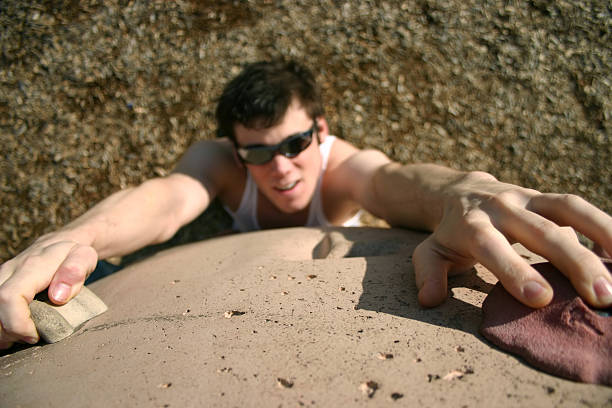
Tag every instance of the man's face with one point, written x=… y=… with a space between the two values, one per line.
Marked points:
x=288 y=183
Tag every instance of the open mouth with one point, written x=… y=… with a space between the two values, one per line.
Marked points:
x=286 y=187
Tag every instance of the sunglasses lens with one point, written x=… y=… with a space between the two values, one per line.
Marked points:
x=256 y=156
x=288 y=148
x=296 y=145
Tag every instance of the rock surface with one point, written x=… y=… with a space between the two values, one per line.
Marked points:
x=293 y=317
x=565 y=338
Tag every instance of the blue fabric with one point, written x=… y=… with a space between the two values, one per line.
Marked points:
x=103 y=269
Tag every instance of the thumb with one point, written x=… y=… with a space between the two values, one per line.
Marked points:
x=71 y=274
x=431 y=273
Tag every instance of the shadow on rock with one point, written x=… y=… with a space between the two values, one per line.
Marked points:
x=389 y=284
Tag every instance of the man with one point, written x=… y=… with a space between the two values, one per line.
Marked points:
x=277 y=165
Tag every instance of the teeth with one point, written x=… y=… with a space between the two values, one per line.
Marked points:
x=288 y=186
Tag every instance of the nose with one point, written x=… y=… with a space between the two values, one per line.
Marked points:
x=280 y=164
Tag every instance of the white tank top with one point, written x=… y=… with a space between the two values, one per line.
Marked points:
x=245 y=218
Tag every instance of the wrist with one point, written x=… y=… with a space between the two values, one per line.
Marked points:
x=67 y=234
x=463 y=188
x=440 y=188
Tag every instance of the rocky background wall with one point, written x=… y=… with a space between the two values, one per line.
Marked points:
x=96 y=96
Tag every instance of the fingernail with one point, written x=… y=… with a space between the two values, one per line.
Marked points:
x=533 y=291
x=603 y=290
x=61 y=292
x=31 y=340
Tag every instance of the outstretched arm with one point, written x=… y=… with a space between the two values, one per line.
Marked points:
x=125 y=221
x=475 y=218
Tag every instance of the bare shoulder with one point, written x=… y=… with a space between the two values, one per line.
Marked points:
x=349 y=168
x=346 y=157
x=216 y=150
x=340 y=151
x=212 y=163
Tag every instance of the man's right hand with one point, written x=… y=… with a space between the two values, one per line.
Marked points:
x=61 y=265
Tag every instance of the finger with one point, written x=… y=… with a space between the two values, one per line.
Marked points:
x=582 y=267
x=16 y=321
x=491 y=248
x=573 y=211
x=431 y=273
x=6 y=339
x=30 y=275
x=6 y=342
x=70 y=275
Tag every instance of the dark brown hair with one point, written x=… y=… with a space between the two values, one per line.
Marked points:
x=261 y=94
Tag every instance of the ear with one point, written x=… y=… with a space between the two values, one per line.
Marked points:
x=322 y=128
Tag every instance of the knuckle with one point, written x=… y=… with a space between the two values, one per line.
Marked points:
x=13 y=328
x=15 y=318
x=71 y=273
x=31 y=262
x=506 y=199
x=569 y=233
x=480 y=176
x=473 y=220
x=477 y=229
x=90 y=253
x=499 y=200
x=547 y=230
x=571 y=200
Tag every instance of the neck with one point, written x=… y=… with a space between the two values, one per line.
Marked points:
x=269 y=216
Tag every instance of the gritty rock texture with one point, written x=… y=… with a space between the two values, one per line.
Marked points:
x=273 y=318
x=566 y=338
x=100 y=95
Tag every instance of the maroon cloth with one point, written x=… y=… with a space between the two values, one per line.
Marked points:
x=566 y=338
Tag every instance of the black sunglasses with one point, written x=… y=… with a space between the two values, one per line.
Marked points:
x=290 y=147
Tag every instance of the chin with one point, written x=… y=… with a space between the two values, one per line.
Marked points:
x=295 y=204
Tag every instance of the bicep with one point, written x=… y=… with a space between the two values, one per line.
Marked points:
x=199 y=177
x=189 y=197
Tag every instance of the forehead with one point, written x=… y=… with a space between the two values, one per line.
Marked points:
x=295 y=120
